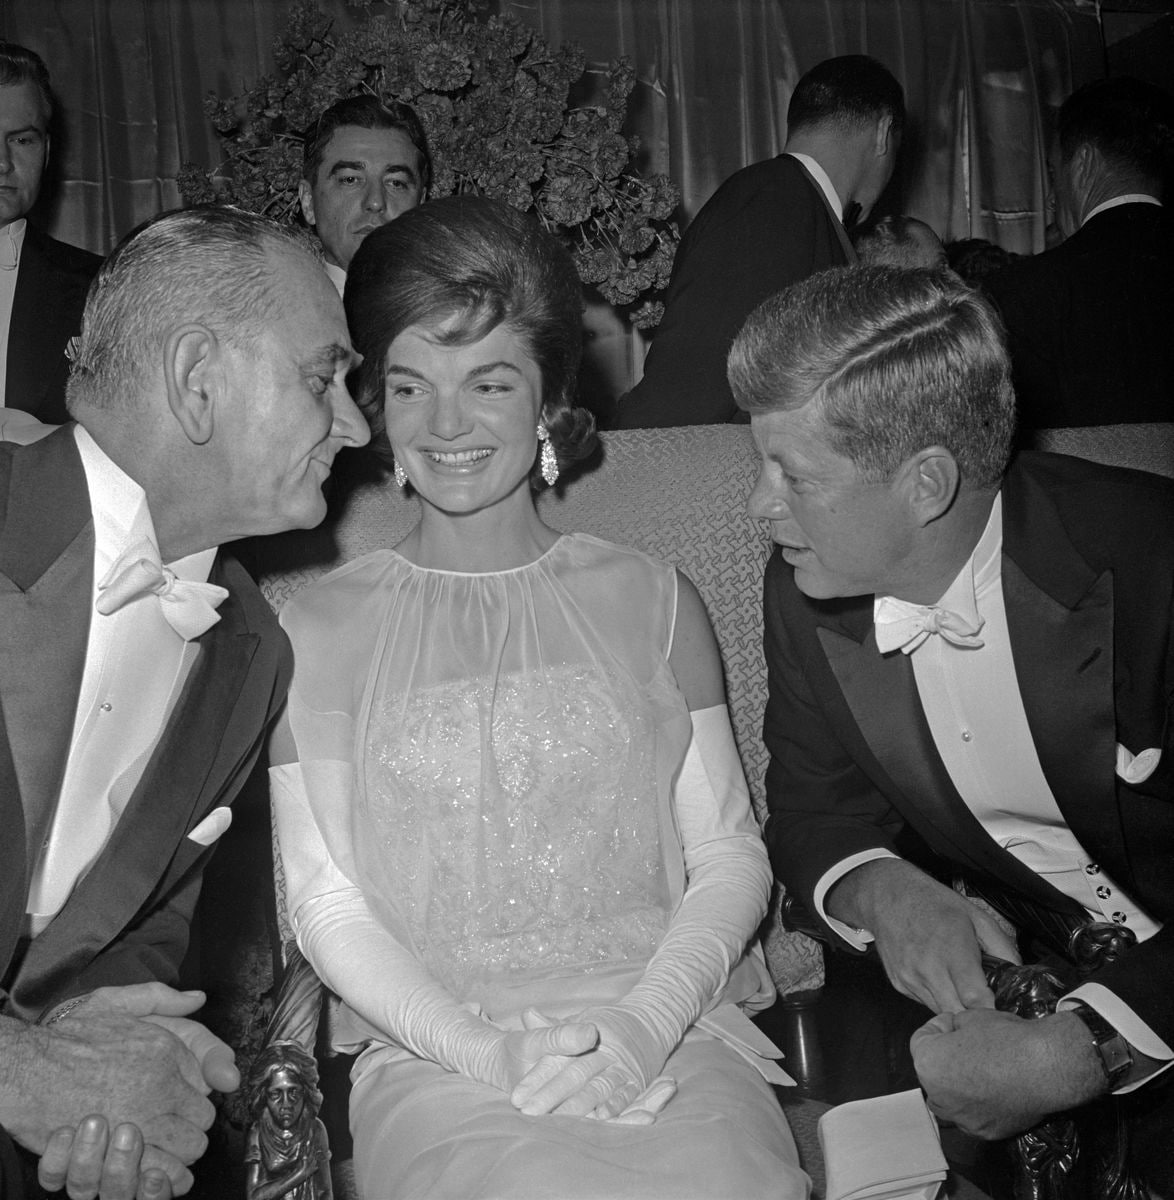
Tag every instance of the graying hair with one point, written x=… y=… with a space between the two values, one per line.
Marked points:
x=210 y=265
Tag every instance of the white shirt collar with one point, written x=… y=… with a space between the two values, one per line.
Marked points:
x=337 y=276
x=11 y=241
x=1117 y=201
x=982 y=569
x=821 y=177
x=121 y=514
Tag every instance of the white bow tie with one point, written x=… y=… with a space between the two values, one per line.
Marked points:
x=189 y=608
x=904 y=626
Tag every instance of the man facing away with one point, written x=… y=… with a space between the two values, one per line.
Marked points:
x=769 y=225
x=970 y=673
x=1089 y=322
x=139 y=668
x=364 y=164
x=43 y=282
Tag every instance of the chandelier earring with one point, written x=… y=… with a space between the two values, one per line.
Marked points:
x=401 y=476
x=549 y=462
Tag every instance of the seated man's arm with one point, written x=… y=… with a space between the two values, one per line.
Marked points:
x=824 y=810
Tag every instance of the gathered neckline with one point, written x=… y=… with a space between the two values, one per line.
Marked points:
x=562 y=537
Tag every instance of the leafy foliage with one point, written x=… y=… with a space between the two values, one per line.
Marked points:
x=494 y=98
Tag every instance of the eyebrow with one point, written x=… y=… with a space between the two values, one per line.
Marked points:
x=358 y=164
x=475 y=373
x=336 y=352
x=26 y=129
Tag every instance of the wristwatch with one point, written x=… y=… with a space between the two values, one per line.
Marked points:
x=1112 y=1049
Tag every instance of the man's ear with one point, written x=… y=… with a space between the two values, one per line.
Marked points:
x=306 y=200
x=193 y=375
x=884 y=135
x=931 y=482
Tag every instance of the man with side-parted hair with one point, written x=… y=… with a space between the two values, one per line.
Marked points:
x=43 y=281
x=364 y=164
x=139 y=669
x=769 y=225
x=970 y=674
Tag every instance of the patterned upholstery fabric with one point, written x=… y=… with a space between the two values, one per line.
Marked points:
x=678 y=494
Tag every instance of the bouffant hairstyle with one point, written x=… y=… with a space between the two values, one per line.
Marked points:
x=470 y=264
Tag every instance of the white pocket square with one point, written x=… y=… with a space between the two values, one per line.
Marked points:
x=211 y=827
x=1137 y=768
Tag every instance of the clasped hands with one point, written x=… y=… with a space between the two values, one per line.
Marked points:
x=602 y=1064
x=117 y=1094
x=992 y=1073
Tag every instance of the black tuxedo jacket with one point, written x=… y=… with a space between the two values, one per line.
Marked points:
x=768 y=226
x=51 y=286
x=1090 y=324
x=127 y=919
x=1088 y=583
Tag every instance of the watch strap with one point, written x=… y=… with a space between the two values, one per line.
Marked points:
x=1112 y=1049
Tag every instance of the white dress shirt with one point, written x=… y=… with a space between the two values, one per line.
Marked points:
x=135 y=668
x=337 y=276
x=971 y=699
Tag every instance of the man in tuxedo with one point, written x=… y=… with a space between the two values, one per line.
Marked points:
x=364 y=164
x=970 y=675
x=139 y=669
x=769 y=225
x=43 y=282
x=1088 y=322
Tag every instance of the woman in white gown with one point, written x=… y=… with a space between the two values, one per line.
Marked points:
x=515 y=831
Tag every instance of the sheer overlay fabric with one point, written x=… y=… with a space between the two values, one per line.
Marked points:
x=485 y=772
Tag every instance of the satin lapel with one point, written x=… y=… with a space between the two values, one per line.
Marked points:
x=1060 y=617
x=881 y=691
x=187 y=771
x=46 y=565
x=28 y=344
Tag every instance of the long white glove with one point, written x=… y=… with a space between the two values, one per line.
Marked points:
x=382 y=981
x=604 y=1061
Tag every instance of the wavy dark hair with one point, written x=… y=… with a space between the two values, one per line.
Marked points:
x=485 y=264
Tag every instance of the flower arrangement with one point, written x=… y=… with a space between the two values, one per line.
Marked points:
x=495 y=101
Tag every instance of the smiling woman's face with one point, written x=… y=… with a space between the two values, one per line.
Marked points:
x=462 y=419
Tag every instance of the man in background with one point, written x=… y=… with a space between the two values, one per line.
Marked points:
x=898 y=242
x=969 y=679
x=139 y=670
x=364 y=164
x=769 y=225
x=1089 y=322
x=43 y=282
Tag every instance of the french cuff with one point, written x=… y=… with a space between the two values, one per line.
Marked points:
x=1131 y=1027
x=858 y=939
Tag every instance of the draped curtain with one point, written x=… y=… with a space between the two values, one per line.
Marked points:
x=981 y=79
